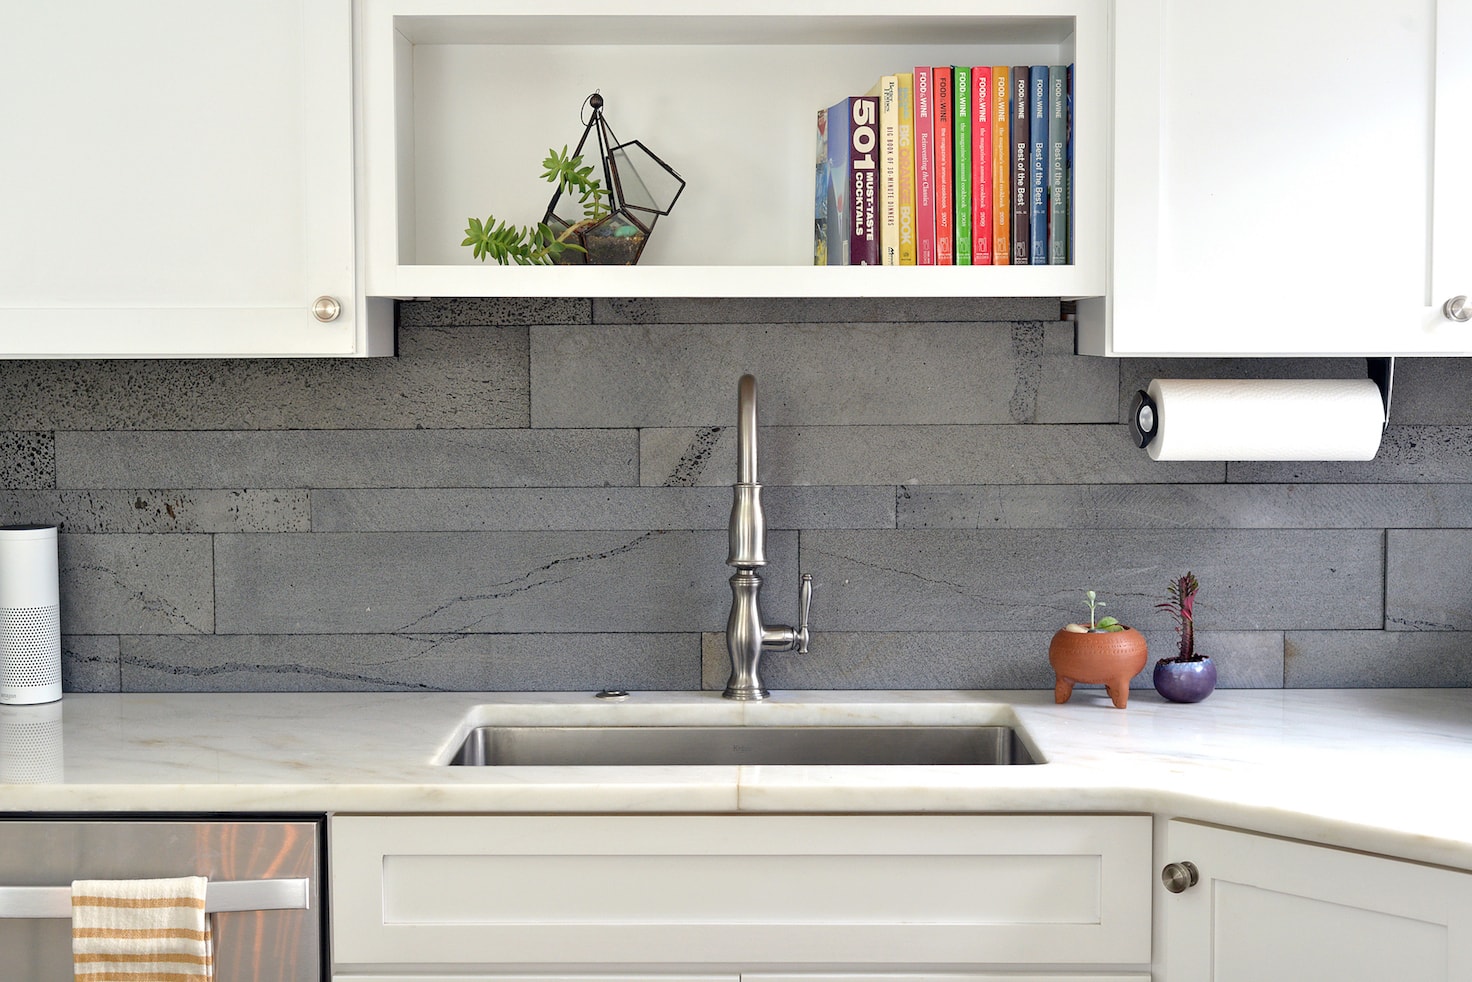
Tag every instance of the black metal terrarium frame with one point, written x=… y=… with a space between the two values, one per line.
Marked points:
x=619 y=237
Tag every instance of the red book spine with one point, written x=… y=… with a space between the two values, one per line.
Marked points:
x=924 y=167
x=981 y=167
x=945 y=245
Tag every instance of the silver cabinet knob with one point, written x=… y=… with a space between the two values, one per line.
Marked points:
x=1180 y=877
x=326 y=309
x=1457 y=309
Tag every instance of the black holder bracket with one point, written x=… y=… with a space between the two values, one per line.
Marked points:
x=1382 y=373
x=1144 y=419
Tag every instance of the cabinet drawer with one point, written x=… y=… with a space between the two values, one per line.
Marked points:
x=741 y=889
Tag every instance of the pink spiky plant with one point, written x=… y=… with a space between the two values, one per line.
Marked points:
x=1182 y=598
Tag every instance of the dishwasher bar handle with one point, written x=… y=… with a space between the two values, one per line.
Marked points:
x=220 y=895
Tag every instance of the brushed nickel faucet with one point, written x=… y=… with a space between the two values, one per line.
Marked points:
x=746 y=636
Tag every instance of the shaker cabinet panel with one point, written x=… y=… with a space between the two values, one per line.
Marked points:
x=1273 y=910
x=179 y=180
x=1288 y=179
x=638 y=891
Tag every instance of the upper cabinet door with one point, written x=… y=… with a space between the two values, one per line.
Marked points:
x=178 y=180
x=1288 y=178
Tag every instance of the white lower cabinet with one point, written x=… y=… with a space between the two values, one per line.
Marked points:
x=766 y=898
x=1273 y=910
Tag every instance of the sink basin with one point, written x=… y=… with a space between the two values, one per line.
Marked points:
x=543 y=746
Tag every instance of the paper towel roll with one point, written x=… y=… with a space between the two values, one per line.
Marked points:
x=1266 y=419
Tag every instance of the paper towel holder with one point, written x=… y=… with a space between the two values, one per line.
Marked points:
x=1145 y=415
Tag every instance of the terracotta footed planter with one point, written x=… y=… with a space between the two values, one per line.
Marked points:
x=1110 y=658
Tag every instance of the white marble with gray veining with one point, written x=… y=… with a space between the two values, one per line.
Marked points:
x=1385 y=770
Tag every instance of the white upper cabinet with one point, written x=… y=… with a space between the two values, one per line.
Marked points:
x=463 y=98
x=1288 y=178
x=178 y=181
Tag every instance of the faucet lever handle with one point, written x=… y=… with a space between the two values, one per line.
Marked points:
x=804 y=603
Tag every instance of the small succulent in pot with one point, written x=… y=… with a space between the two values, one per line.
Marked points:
x=1188 y=676
x=1095 y=626
x=1105 y=651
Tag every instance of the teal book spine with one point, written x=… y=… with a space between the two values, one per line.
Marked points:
x=820 y=193
x=1058 y=202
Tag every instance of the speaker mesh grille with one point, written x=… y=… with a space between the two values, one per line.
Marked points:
x=30 y=646
x=33 y=751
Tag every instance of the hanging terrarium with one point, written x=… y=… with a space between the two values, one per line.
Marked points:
x=611 y=220
x=601 y=212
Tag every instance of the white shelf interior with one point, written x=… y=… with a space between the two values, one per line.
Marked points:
x=460 y=109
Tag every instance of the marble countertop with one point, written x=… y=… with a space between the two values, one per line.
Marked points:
x=1384 y=770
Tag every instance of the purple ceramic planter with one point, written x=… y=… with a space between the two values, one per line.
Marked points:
x=1185 y=681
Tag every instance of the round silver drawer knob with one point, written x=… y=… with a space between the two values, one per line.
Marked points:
x=1180 y=877
x=326 y=309
x=1457 y=309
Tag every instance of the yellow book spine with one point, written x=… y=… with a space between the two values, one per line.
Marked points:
x=1001 y=167
x=906 y=82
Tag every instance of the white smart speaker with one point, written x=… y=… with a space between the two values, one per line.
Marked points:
x=30 y=615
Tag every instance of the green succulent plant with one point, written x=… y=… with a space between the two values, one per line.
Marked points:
x=1096 y=624
x=539 y=245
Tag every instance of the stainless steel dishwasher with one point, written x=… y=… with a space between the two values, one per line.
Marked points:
x=263 y=891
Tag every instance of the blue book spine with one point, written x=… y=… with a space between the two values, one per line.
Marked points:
x=1038 y=164
x=839 y=231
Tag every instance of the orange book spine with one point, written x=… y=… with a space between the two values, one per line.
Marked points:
x=1001 y=170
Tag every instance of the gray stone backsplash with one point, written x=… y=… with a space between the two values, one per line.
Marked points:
x=533 y=495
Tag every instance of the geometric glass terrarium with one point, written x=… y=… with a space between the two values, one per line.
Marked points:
x=614 y=223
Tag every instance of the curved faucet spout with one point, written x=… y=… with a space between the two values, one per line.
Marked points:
x=746 y=430
x=748 y=527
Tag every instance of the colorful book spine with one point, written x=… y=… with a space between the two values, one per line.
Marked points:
x=907 y=167
x=1037 y=111
x=863 y=183
x=1057 y=166
x=840 y=215
x=820 y=195
x=1001 y=184
x=1017 y=109
x=945 y=187
x=886 y=90
x=981 y=166
x=924 y=168
x=961 y=116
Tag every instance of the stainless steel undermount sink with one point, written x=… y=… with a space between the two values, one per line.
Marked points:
x=579 y=746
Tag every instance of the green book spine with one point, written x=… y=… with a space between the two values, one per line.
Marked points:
x=962 y=157
x=1058 y=203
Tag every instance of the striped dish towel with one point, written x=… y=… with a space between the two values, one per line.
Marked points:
x=141 y=931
